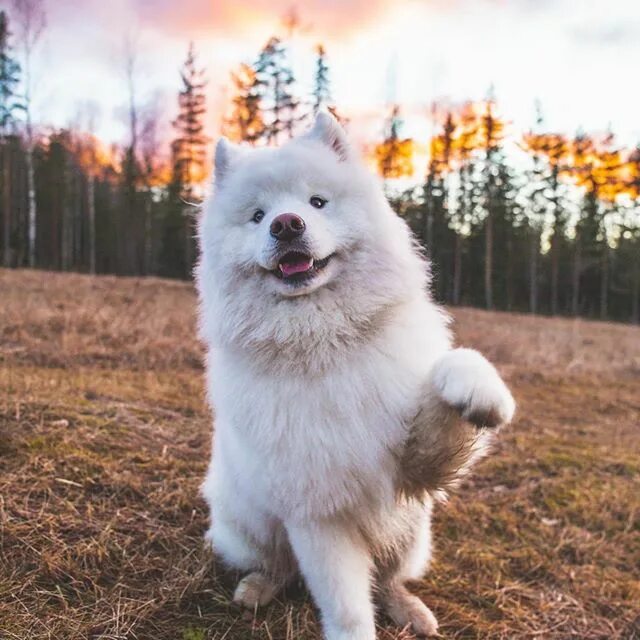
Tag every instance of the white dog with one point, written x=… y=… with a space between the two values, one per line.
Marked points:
x=341 y=408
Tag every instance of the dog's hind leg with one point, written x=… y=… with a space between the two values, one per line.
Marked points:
x=264 y=551
x=268 y=559
x=247 y=539
x=407 y=610
x=404 y=608
x=255 y=590
x=278 y=568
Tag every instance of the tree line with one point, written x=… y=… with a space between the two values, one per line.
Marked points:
x=541 y=222
x=552 y=229
x=70 y=202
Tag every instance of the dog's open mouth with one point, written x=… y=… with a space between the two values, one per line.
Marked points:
x=298 y=266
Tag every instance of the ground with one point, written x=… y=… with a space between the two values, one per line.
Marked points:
x=105 y=435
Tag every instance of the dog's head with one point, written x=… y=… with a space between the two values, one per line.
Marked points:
x=307 y=223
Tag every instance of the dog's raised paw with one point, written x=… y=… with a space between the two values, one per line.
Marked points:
x=469 y=383
x=254 y=590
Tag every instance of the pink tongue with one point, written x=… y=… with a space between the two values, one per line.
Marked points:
x=290 y=268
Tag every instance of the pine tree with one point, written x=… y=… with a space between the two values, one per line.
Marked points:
x=10 y=106
x=630 y=235
x=535 y=211
x=595 y=166
x=86 y=152
x=129 y=258
x=628 y=252
x=559 y=215
x=546 y=207
x=246 y=122
x=321 y=91
x=155 y=173
x=189 y=169
x=10 y=103
x=434 y=183
x=31 y=19
x=394 y=155
x=435 y=228
x=464 y=203
x=275 y=84
x=628 y=246
x=550 y=155
x=608 y=175
x=510 y=236
x=491 y=131
x=321 y=86
x=189 y=148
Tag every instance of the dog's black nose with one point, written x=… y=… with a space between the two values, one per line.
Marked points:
x=287 y=226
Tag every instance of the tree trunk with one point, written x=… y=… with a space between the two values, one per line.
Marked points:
x=67 y=220
x=635 y=289
x=78 y=257
x=457 y=270
x=91 y=197
x=31 y=198
x=429 y=230
x=428 y=214
x=555 y=269
x=129 y=220
x=189 y=257
x=604 y=281
x=32 y=21
x=509 y=274
x=577 y=267
x=6 y=205
x=488 y=261
x=533 y=273
x=274 y=132
x=555 y=243
x=148 y=231
x=129 y=262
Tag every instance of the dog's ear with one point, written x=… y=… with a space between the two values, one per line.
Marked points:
x=329 y=131
x=226 y=155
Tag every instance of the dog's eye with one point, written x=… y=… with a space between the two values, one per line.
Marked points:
x=258 y=215
x=317 y=201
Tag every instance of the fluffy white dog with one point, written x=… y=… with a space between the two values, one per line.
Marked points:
x=341 y=408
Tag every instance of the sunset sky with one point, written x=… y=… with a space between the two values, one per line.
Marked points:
x=579 y=57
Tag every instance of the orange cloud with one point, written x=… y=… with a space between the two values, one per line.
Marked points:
x=331 y=17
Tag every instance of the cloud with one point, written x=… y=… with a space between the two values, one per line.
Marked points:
x=413 y=51
x=325 y=16
x=614 y=33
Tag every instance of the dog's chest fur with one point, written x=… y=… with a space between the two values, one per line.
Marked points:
x=316 y=445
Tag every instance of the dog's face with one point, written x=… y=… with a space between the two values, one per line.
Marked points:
x=293 y=219
x=300 y=251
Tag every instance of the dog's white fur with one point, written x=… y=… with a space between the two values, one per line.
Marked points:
x=321 y=391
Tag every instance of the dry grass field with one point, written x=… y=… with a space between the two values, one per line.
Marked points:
x=104 y=438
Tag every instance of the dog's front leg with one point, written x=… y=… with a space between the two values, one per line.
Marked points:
x=337 y=568
x=464 y=401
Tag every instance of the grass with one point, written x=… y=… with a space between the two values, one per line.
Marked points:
x=105 y=435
